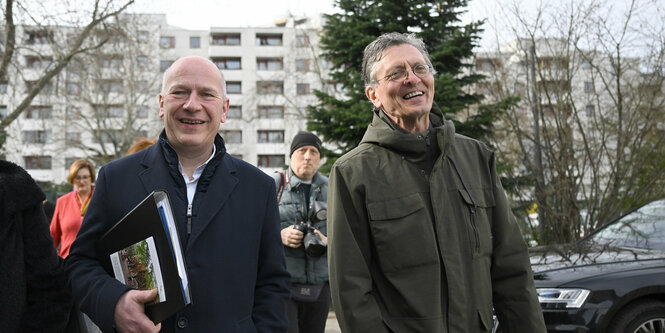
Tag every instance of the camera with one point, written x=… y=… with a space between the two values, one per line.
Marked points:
x=314 y=246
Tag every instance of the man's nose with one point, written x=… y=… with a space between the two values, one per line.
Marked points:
x=193 y=103
x=411 y=77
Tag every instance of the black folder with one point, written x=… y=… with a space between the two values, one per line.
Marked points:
x=152 y=217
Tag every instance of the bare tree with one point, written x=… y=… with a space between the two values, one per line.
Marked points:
x=584 y=83
x=43 y=45
x=116 y=88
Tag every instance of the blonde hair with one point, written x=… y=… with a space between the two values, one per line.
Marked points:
x=78 y=165
x=139 y=145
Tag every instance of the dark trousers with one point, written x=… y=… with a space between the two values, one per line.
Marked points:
x=309 y=317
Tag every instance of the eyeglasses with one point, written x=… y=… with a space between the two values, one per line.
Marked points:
x=82 y=177
x=400 y=74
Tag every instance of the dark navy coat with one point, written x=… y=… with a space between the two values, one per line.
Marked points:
x=234 y=255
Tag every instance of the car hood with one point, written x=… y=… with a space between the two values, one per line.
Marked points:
x=557 y=265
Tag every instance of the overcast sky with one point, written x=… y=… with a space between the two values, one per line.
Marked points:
x=203 y=14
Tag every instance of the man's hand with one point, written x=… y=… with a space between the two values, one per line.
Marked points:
x=324 y=239
x=292 y=237
x=129 y=315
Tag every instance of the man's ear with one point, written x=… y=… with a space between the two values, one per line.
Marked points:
x=371 y=94
x=161 y=105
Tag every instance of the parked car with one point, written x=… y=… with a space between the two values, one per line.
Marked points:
x=613 y=280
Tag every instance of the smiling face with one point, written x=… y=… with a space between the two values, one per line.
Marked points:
x=192 y=104
x=406 y=102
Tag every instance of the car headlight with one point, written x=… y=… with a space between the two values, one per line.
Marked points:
x=562 y=298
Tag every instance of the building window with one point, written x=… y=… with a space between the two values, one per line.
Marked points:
x=487 y=64
x=115 y=111
x=225 y=39
x=37 y=162
x=302 y=40
x=36 y=137
x=231 y=136
x=227 y=62
x=3 y=87
x=72 y=88
x=233 y=87
x=302 y=65
x=269 y=64
x=269 y=39
x=519 y=89
x=72 y=138
x=110 y=136
x=36 y=62
x=39 y=112
x=269 y=87
x=72 y=112
x=110 y=86
x=3 y=111
x=143 y=36
x=270 y=111
x=164 y=65
x=142 y=112
x=588 y=87
x=38 y=37
x=235 y=112
x=270 y=136
x=110 y=111
x=590 y=111
x=194 y=42
x=46 y=90
x=167 y=42
x=271 y=161
x=142 y=61
x=110 y=61
x=303 y=89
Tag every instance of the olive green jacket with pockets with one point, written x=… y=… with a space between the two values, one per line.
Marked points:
x=416 y=252
x=303 y=269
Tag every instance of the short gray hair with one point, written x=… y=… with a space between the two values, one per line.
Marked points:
x=374 y=51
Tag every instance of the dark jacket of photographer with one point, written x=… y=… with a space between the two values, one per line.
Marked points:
x=303 y=268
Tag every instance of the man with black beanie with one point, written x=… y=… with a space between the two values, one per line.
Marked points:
x=302 y=193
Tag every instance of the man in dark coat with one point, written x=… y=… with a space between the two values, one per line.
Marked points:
x=32 y=283
x=225 y=211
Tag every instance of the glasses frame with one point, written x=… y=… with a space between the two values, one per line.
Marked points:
x=403 y=71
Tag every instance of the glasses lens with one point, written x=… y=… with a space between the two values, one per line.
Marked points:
x=421 y=69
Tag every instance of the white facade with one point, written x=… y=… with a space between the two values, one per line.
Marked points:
x=271 y=74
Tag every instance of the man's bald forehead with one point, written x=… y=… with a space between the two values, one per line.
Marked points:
x=182 y=64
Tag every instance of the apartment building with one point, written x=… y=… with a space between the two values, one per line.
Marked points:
x=102 y=102
x=578 y=109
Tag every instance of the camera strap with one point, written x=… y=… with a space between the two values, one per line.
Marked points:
x=282 y=183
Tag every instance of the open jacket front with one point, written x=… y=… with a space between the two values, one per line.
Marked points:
x=418 y=251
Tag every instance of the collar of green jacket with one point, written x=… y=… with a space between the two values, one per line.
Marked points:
x=413 y=146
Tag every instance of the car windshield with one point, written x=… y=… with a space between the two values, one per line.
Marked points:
x=643 y=228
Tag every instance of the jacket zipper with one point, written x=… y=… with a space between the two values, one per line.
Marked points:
x=189 y=219
x=472 y=210
x=473 y=207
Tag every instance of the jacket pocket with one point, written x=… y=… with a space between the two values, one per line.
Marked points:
x=403 y=233
x=479 y=204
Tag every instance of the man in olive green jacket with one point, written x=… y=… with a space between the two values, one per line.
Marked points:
x=421 y=237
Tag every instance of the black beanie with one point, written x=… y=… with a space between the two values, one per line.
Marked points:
x=305 y=139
